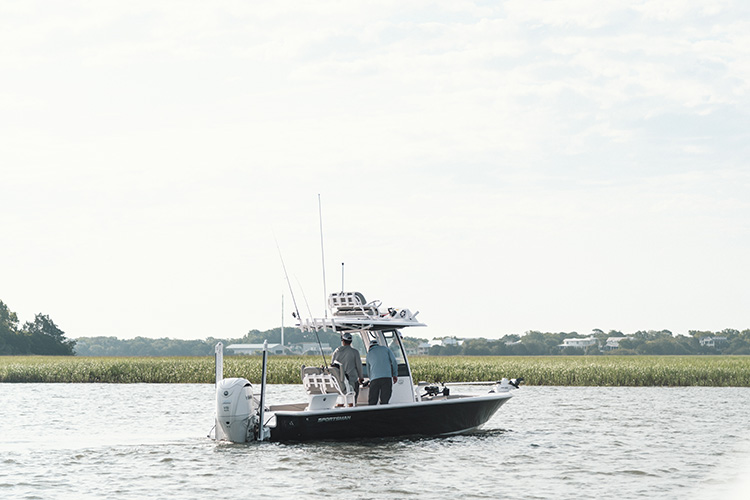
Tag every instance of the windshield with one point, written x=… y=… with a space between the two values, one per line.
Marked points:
x=359 y=345
x=391 y=339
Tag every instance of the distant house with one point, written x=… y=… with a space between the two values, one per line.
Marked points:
x=256 y=348
x=423 y=348
x=579 y=343
x=613 y=343
x=310 y=348
x=445 y=341
x=713 y=341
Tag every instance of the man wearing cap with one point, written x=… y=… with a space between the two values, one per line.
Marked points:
x=351 y=363
x=382 y=368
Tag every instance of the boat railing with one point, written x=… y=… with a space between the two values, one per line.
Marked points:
x=321 y=382
x=353 y=304
x=312 y=324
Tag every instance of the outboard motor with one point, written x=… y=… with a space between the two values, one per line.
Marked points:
x=236 y=410
x=506 y=385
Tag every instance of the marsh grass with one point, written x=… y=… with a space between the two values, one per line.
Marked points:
x=717 y=371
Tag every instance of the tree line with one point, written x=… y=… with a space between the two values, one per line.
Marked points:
x=142 y=346
x=41 y=336
x=532 y=343
x=651 y=342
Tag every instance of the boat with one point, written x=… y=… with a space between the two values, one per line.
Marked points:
x=330 y=411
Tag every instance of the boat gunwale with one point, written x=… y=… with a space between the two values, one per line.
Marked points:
x=455 y=400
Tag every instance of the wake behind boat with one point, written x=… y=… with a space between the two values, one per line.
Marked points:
x=330 y=411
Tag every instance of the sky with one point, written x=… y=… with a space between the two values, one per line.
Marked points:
x=499 y=167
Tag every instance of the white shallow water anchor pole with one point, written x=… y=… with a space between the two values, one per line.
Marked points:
x=263 y=431
x=219 y=362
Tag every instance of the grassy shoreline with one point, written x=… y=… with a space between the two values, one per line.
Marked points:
x=713 y=371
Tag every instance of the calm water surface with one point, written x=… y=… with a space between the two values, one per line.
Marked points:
x=149 y=441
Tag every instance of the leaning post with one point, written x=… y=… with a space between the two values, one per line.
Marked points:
x=219 y=362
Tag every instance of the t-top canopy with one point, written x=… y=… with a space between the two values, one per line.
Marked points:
x=350 y=311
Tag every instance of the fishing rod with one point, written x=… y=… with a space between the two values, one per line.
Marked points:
x=323 y=257
x=296 y=309
x=307 y=304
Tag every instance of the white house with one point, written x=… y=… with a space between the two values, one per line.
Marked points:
x=579 y=343
x=411 y=351
x=613 y=343
x=713 y=341
x=445 y=341
x=311 y=348
x=256 y=348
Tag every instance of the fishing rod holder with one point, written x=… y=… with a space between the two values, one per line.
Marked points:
x=432 y=390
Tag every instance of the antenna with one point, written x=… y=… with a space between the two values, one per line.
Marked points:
x=323 y=258
x=342 y=277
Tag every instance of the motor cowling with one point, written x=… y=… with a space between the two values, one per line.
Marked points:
x=506 y=385
x=236 y=410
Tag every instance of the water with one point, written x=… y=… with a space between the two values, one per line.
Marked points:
x=61 y=441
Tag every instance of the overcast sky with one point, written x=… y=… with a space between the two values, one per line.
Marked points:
x=498 y=166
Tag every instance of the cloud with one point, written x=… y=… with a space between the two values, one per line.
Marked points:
x=562 y=163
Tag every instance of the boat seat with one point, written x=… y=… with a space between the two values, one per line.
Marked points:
x=319 y=380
